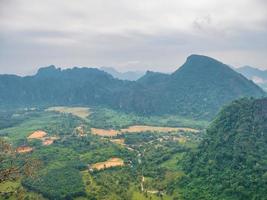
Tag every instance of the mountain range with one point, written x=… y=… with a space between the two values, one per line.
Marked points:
x=197 y=89
x=256 y=75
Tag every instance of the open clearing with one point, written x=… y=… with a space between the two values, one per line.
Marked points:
x=24 y=149
x=113 y=162
x=37 y=135
x=118 y=141
x=138 y=129
x=104 y=132
x=81 y=112
x=41 y=135
x=49 y=140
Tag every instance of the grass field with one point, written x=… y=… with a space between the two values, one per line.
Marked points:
x=110 y=119
x=81 y=112
x=23 y=130
x=112 y=162
x=139 y=129
x=37 y=135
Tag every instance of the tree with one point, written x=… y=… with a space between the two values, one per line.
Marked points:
x=13 y=166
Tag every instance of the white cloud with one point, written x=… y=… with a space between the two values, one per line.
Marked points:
x=107 y=32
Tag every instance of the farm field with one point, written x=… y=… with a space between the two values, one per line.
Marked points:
x=37 y=135
x=68 y=147
x=81 y=112
x=139 y=129
x=112 y=162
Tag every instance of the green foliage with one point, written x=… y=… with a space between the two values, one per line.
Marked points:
x=62 y=183
x=197 y=89
x=231 y=161
x=115 y=182
x=108 y=118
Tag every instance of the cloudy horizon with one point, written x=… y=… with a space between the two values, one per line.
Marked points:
x=131 y=35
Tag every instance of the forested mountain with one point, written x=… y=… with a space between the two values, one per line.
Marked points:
x=258 y=76
x=52 y=86
x=198 y=89
x=129 y=75
x=231 y=161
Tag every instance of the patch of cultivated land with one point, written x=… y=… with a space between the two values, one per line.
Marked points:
x=138 y=129
x=24 y=149
x=118 y=141
x=41 y=135
x=81 y=112
x=104 y=132
x=49 y=140
x=113 y=162
x=37 y=135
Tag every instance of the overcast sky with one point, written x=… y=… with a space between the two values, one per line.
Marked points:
x=130 y=34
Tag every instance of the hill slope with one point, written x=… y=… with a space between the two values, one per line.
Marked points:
x=199 y=88
x=231 y=162
x=51 y=86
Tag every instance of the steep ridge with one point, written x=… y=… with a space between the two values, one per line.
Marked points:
x=231 y=161
x=197 y=89
x=51 y=86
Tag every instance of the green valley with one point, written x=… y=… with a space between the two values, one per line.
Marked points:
x=67 y=164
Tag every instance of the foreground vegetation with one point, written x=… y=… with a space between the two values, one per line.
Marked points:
x=147 y=159
x=228 y=161
x=231 y=161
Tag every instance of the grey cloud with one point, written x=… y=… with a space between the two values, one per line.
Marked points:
x=156 y=35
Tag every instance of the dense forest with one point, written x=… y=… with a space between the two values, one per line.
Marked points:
x=197 y=89
x=231 y=161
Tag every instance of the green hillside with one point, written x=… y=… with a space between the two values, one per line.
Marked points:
x=198 y=89
x=231 y=161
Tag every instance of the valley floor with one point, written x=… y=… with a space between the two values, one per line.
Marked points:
x=98 y=153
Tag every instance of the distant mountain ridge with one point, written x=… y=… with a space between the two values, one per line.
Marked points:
x=198 y=89
x=129 y=75
x=256 y=75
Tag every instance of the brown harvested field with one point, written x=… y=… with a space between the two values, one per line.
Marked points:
x=113 y=162
x=37 y=135
x=138 y=129
x=104 y=132
x=81 y=112
x=118 y=141
x=24 y=149
x=49 y=140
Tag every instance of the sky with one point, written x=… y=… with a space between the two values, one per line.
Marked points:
x=154 y=35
